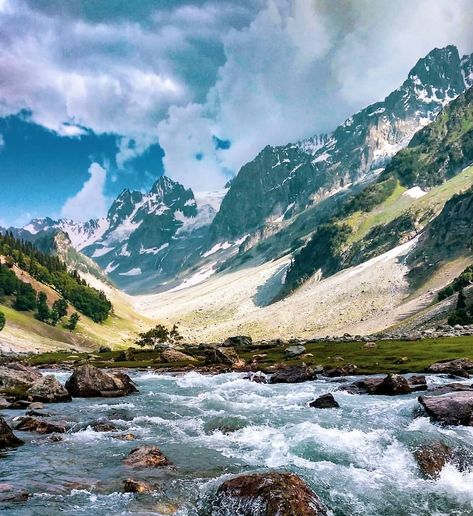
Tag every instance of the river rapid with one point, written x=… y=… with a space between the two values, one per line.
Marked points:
x=358 y=459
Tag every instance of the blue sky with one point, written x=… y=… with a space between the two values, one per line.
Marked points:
x=96 y=96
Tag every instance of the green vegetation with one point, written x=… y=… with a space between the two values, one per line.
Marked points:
x=459 y=283
x=73 y=320
x=3 y=321
x=323 y=251
x=159 y=335
x=384 y=358
x=370 y=197
x=49 y=270
x=438 y=151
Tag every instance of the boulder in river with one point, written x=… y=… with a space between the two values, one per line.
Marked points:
x=103 y=426
x=346 y=370
x=125 y=437
x=450 y=387
x=432 y=458
x=272 y=493
x=455 y=408
x=40 y=426
x=256 y=377
x=16 y=376
x=293 y=374
x=238 y=341
x=47 y=389
x=294 y=351
x=417 y=382
x=325 y=401
x=136 y=486
x=88 y=382
x=146 y=457
x=7 y=438
x=393 y=385
x=457 y=367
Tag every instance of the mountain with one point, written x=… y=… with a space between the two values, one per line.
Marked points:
x=283 y=180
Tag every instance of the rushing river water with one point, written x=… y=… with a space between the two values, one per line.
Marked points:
x=358 y=459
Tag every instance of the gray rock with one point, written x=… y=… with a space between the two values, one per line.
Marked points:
x=88 y=382
x=48 y=390
x=7 y=438
x=294 y=351
x=293 y=374
x=324 y=401
x=455 y=408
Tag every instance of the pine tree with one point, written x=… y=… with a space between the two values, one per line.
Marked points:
x=73 y=320
x=461 y=302
x=61 y=307
x=2 y=321
x=42 y=310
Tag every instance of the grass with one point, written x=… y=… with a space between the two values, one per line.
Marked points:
x=383 y=359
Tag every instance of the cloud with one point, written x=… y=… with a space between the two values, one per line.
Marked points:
x=90 y=202
x=301 y=68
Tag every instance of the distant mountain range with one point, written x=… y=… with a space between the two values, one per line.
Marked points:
x=171 y=235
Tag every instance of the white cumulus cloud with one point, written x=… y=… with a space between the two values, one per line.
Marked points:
x=90 y=202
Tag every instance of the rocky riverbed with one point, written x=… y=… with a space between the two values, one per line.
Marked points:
x=197 y=444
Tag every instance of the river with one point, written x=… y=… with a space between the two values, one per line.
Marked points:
x=358 y=459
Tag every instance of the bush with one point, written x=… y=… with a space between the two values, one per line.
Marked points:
x=3 y=321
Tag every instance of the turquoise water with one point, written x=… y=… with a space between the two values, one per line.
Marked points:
x=358 y=459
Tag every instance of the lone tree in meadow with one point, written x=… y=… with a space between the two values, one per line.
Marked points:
x=158 y=335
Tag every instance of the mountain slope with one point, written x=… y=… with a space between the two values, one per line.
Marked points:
x=282 y=180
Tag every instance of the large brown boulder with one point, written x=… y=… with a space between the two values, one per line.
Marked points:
x=17 y=376
x=136 y=486
x=48 y=390
x=457 y=367
x=455 y=408
x=7 y=438
x=293 y=374
x=40 y=426
x=432 y=458
x=146 y=457
x=223 y=356
x=393 y=385
x=172 y=355
x=238 y=341
x=89 y=382
x=267 y=494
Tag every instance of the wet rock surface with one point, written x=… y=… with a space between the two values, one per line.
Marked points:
x=48 y=389
x=146 y=457
x=40 y=426
x=293 y=374
x=272 y=493
x=324 y=401
x=88 y=382
x=136 y=486
x=7 y=438
x=455 y=408
x=17 y=376
x=458 y=367
x=432 y=458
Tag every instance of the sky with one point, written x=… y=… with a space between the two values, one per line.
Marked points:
x=99 y=95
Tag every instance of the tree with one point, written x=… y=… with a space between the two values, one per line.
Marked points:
x=25 y=297
x=174 y=335
x=461 y=302
x=42 y=309
x=61 y=307
x=157 y=335
x=73 y=320
x=54 y=317
x=2 y=321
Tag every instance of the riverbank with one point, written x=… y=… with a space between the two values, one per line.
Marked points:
x=372 y=357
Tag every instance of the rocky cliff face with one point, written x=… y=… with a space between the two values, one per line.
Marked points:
x=282 y=180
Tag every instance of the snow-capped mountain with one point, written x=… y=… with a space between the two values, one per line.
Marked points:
x=282 y=180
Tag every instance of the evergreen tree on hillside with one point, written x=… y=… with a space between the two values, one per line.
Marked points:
x=42 y=309
x=2 y=321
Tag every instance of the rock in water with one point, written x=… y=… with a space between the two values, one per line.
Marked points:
x=417 y=383
x=146 y=457
x=267 y=494
x=88 y=382
x=293 y=374
x=32 y=424
x=238 y=341
x=17 y=376
x=432 y=458
x=294 y=351
x=455 y=408
x=325 y=401
x=48 y=390
x=393 y=385
x=7 y=438
x=103 y=426
x=136 y=486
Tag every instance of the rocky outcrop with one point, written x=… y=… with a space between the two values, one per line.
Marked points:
x=294 y=351
x=450 y=387
x=457 y=367
x=48 y=390
x=7 y=438
x=40 y=426
x=324 y=401
x=89 y=382
x=391 y=385
x=103 y=426
x=238 y=341
x=222 y=356
x=172 y=355
x=346 y=370
x=146 y=457
x=293 y=374
x=450 y=409
x=282 y=494
x=136 y=486
x=16 y=376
